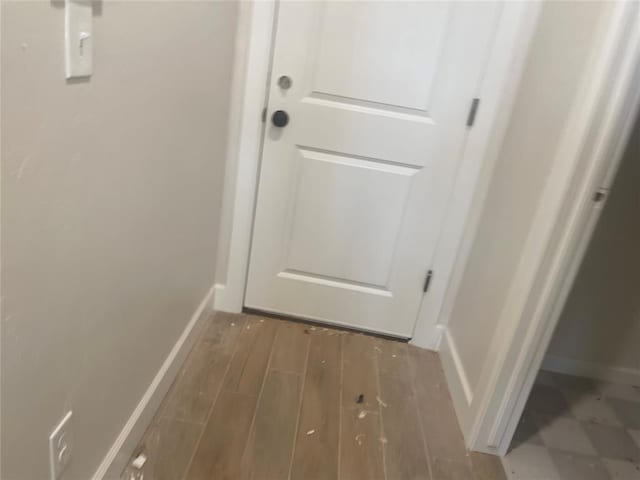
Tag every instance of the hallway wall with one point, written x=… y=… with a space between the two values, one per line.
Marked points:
x=566 y=36
x=599 y=329
x=111 y=192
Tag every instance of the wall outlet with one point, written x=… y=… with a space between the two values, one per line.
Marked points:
x=61 y=447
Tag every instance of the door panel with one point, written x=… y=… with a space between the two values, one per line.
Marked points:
x=393 y=44
x=353 y=190
x=345 y=205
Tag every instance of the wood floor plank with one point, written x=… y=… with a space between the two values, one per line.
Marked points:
x=404 y=450
x=445 y=443
x=290 y=348
x=227 y=430
x=393 y=357
x=268 y=420
x=249 y=362
x=224 y=438
x=197 y=386
x=359 y=375
x=168 y=445
x=270 y=447
x=316 y=447
x=361 y=451
x=218 y=330
x=361 y=455
x=486 y=467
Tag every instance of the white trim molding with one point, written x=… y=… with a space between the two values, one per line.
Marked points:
x=449 y=348
x=116 y=459
x=457 y=380
x=248 y=98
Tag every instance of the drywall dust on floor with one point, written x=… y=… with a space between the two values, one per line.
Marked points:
x=265 y=398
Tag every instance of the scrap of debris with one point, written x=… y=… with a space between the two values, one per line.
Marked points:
x=359 y=438
x=311 y=432
x=360 y=398
x=362 y=414
x=381 y=402
x=139 y=461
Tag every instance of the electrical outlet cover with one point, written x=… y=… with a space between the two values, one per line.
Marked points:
x=61 y=447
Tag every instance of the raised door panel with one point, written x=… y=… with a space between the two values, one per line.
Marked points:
x=374 y=51
x=347 y=213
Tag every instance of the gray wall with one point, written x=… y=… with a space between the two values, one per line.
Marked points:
x=601 y=320
x=565 y=37
x=111 y=194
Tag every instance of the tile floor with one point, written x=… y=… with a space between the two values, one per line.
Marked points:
x=577 y=429
x=267 y=399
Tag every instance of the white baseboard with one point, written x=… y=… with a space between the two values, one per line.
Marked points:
x=457 y=381
x=597 y=371
x=439 y=335
x=120 y=452
x=430 y=340
x=225 y=300
x=217 y=299
x=460 y=372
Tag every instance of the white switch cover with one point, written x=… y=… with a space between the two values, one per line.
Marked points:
x=78 y=38
x=61 y=447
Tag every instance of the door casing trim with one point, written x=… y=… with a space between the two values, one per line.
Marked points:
x=253 y=52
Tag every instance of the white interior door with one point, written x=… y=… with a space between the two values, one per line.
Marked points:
x=353 y=190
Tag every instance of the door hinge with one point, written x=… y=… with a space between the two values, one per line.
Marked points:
x=471 y=118
x=427 y=281
x=264 y=114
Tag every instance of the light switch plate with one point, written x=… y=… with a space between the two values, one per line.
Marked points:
x=61 y=447
x=78 y=38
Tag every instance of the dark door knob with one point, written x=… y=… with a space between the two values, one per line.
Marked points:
x=280 y=118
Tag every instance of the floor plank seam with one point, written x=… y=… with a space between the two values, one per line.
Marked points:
x=423 y=434
x=376 y=364
x=240 y=325
x=340 y=390
x=264 y=379
x=302 y=386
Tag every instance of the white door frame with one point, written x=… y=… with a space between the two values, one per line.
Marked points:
x=249 y=97
x=590 y=152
